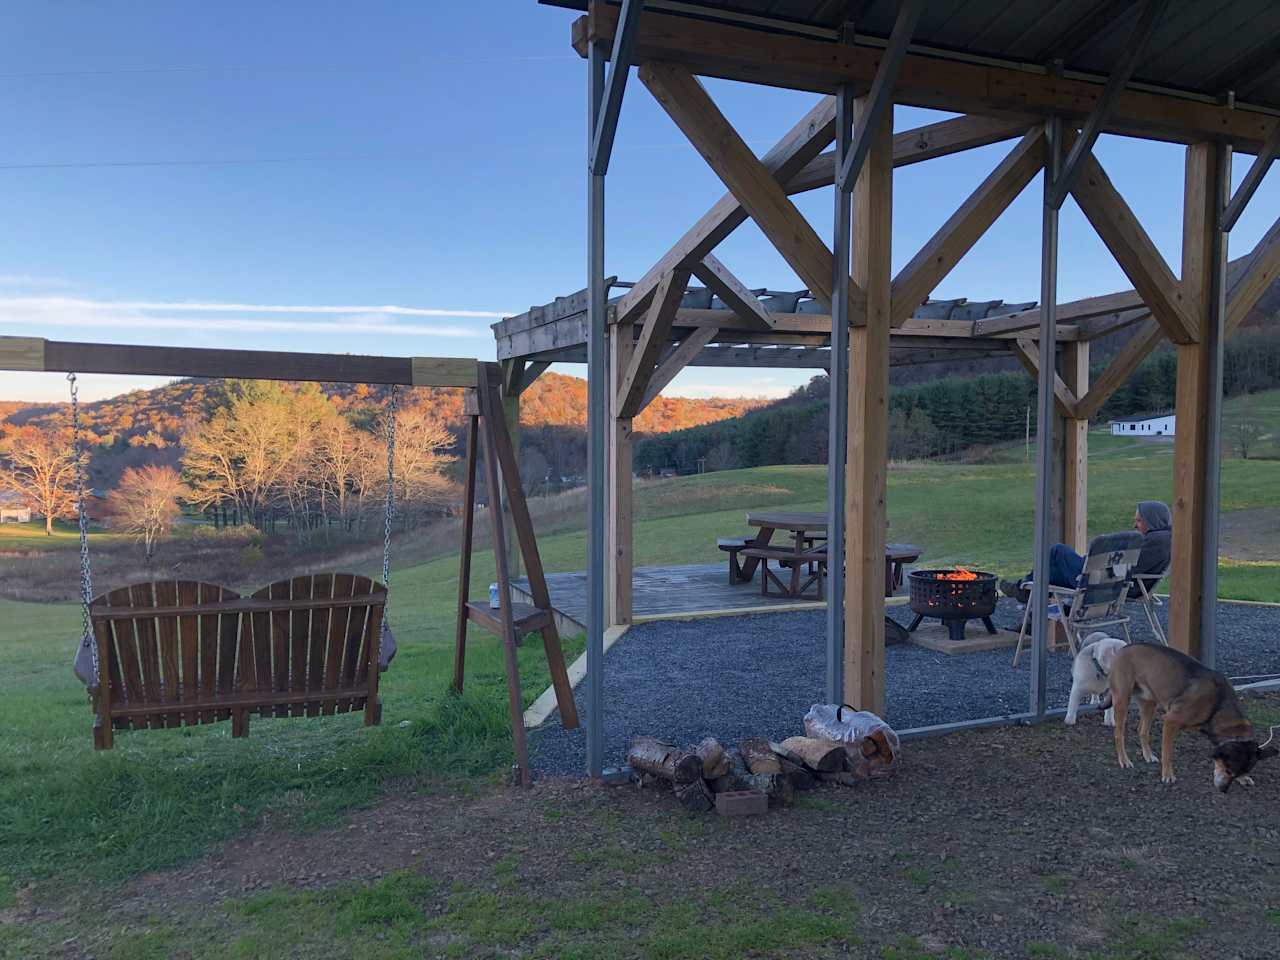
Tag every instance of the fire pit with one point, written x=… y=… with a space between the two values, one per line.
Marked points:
x=954 y=597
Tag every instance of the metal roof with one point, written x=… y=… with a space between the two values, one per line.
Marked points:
x=1211 y=49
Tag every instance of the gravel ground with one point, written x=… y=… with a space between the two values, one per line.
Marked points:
x=734 y=677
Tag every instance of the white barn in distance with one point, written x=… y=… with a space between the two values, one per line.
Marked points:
x=1145 y=425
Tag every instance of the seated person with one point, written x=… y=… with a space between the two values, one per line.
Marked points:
x=1152 y=519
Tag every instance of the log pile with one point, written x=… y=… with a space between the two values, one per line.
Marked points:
x=697 y=774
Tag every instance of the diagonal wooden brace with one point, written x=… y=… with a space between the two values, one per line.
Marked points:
x=683 y=97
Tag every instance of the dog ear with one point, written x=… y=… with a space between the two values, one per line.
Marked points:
x=1267 y=752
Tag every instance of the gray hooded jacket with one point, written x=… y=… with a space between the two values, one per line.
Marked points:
x=1158 y=541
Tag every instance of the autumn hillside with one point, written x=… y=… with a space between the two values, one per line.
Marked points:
x=146 y=426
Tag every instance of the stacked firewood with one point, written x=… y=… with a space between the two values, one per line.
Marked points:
x=775 y=769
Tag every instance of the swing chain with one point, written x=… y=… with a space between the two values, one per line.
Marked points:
x=393 y=409
x=86 y=574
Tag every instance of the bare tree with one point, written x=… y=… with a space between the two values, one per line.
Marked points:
x=41 y=469
x=145 y=504
x=1246 y=432
x=420 y=483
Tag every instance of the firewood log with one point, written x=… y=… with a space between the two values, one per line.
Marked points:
x=843 y=777
x=736 y=778
x=694 y=795
x=793 y=768
x=714 y=762
x=773 y=785
x=759 y=756
x=665 y=760
x=868 y=747
x=882 y=744
x=825 y=756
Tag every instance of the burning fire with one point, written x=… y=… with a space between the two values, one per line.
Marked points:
x=959 y=573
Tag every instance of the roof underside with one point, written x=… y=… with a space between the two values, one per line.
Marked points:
x=1201 y=48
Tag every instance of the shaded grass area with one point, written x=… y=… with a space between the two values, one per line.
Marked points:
x=406 y=913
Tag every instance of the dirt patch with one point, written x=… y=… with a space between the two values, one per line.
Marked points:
x=1250 y=534
x=1006 y=843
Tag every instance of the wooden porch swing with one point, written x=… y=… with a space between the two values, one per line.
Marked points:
x=178 y=653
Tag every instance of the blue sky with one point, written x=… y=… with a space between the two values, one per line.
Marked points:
x=160 y=161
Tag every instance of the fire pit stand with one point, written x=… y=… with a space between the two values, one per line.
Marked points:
x=954 y=597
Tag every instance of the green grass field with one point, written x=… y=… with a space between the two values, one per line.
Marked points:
x=68 y=815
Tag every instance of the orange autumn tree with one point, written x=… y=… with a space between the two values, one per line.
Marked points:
x=39 y=466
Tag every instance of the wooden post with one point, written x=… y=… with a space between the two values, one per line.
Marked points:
x=471 y=404
x=1075 y=450
x=1192 y=402
x=868 y=424
x=619 y=557
x=511 y=413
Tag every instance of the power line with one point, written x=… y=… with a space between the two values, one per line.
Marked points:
x=255 y=68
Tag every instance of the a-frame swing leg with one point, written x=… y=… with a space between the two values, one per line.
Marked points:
x=489 y=417
x=523 y=525
x=468 y=534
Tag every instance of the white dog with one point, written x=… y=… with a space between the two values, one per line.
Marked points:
x=1090 y=672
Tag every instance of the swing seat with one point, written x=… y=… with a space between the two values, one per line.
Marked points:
x=180 y=653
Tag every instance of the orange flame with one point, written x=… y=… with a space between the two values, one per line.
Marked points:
x=959 y=573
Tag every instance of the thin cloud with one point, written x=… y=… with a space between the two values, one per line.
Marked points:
x=30 y=280
x=707 y=391
x=34 y=314
x=75 y=303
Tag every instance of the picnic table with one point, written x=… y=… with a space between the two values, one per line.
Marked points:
x=807 y=547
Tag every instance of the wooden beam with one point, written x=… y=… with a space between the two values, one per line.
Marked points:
x=867 y=450
x=1262 y=271
x=733 y=292
x=799 y=150
x=1191 y=456
x=965 y=227
x=689 y=348
x=533 y=371
x=926 y=80
x=687 y=103
x=1136 y=349
x=1095 y=327
x=653 y=337
x=803 y=142
x=512 y=375
x=21 y=353
x=1129 y=243
x=1074 y=374
x=1027 y=353
x=138 y=360
x=619 y=553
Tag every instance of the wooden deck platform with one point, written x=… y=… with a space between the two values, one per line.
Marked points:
x=664 y=593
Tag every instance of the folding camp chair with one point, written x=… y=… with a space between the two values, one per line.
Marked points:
x=1098 y=598
x=1146 y=586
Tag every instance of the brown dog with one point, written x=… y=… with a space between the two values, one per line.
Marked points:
x=1192 y=696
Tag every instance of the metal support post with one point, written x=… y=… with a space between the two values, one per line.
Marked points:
x=1116 y=82
x=1214 y=334
x=838 y=385
x=1045 y=416
x=597 y=424
x=849 y=165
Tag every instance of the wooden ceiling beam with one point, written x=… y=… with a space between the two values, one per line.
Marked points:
x=1028 y=354
x=804 y=141
x=937 y=82
x=731 y=290
x=649 y=345
x=687 y=103
x=1262 y=270
x=966 y=226
x=1134 y=250
x=676 y=361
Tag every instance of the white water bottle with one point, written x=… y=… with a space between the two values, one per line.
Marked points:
x=493 y=596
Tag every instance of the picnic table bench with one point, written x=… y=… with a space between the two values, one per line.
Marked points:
x=806 y=549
